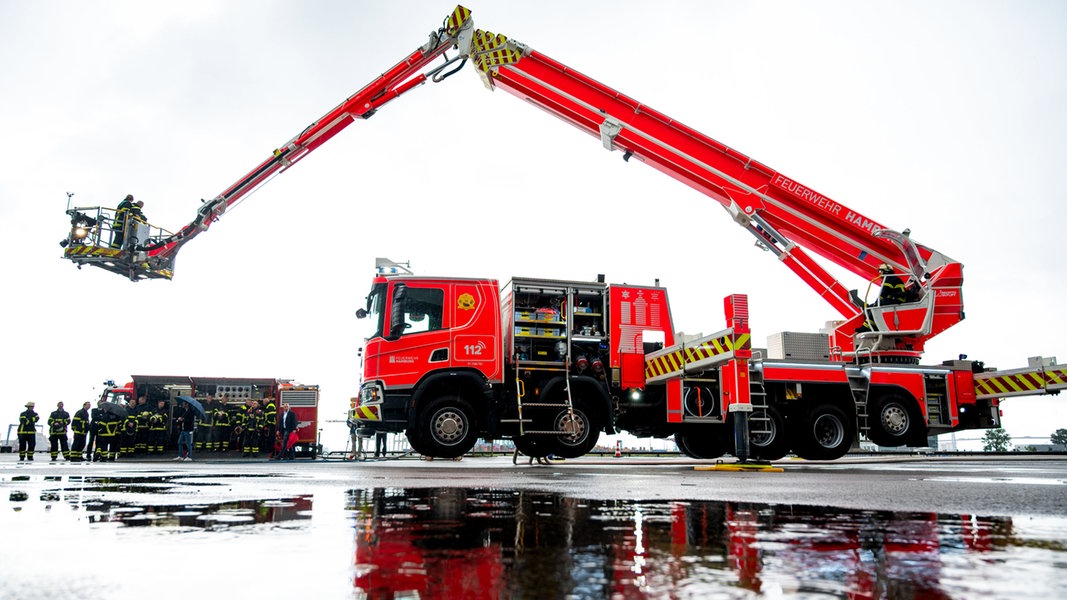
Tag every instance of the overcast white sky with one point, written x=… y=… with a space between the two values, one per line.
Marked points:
x=944 y=117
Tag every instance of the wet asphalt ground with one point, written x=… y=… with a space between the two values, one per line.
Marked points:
x=595 y=527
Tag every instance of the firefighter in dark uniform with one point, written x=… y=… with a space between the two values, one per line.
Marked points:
x=140 y=445
x=253 y=422
x=220 y=435
x=202 y=436
x=239 y=416
x=58 y=422
x=128 y=437
x=270 y=424
x=92 y=449
x=107 y=436
x=157 y=429
x=893 y=290
x=118 y=226
x=27 y=432
x=80 y=426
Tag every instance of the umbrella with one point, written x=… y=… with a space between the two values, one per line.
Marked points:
x=194 y=403
x=115 y=409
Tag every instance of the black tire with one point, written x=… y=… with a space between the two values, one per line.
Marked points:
x=682 y=442
x=416 y=442
x=706 y=443
x=893 y=421
x=767 y=440
x=582 y=432
x=447 y=428
x=825 y=433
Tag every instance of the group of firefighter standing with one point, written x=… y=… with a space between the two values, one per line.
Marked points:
x=104 y=435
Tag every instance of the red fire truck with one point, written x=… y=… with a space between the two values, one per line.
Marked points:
x=550 y=363
x=233 y=391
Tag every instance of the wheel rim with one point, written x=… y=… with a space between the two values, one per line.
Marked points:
x=829 y=431
x=449 y=426
x=894 y=419
x=573 y=426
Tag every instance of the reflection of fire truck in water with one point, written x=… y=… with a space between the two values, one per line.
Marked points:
x=461 y=543
x=551 y=364
x=233 y=392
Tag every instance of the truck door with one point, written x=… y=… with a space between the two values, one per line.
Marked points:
x=416 y=332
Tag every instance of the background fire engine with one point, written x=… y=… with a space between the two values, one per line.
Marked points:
x=233 y=391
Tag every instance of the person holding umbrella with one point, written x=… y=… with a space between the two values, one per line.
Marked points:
x=187 y=421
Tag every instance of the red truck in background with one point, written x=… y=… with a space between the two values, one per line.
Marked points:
x=233 y=391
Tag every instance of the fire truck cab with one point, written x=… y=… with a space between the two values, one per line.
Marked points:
x=544 y=362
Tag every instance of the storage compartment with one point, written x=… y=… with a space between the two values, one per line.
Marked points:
x=798 y=346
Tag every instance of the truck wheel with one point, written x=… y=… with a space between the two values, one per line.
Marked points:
x=416 y=442
x=708 y=443
x=892 y=421
x=580 y=433
x=767 y=438
x=447 y=428
x=824 y=434
x=683 y=446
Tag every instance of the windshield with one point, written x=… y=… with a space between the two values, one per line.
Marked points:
x=376 y=308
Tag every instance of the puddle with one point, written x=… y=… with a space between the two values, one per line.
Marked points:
x=413 y=543
x=470 y=543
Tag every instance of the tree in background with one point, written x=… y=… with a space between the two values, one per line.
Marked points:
x=1059 y=437
x=996 y=440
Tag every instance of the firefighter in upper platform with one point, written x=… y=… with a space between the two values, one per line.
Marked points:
x=58 y=422
x=118 y=226
x=893 y=289
x=27 y=432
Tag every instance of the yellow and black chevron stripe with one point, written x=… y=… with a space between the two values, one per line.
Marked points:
x=1037 y=382
x=490 y=50
x=366 y=413
x=90 y=251
x=456 y=20
x=676 y=361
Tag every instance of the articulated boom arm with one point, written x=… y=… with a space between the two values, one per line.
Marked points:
x=784 y=216
x=401 y=78
x=787 y=218
x=155 y=259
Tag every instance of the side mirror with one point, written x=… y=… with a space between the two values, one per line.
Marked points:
x=396 y=313
x=361 y=313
